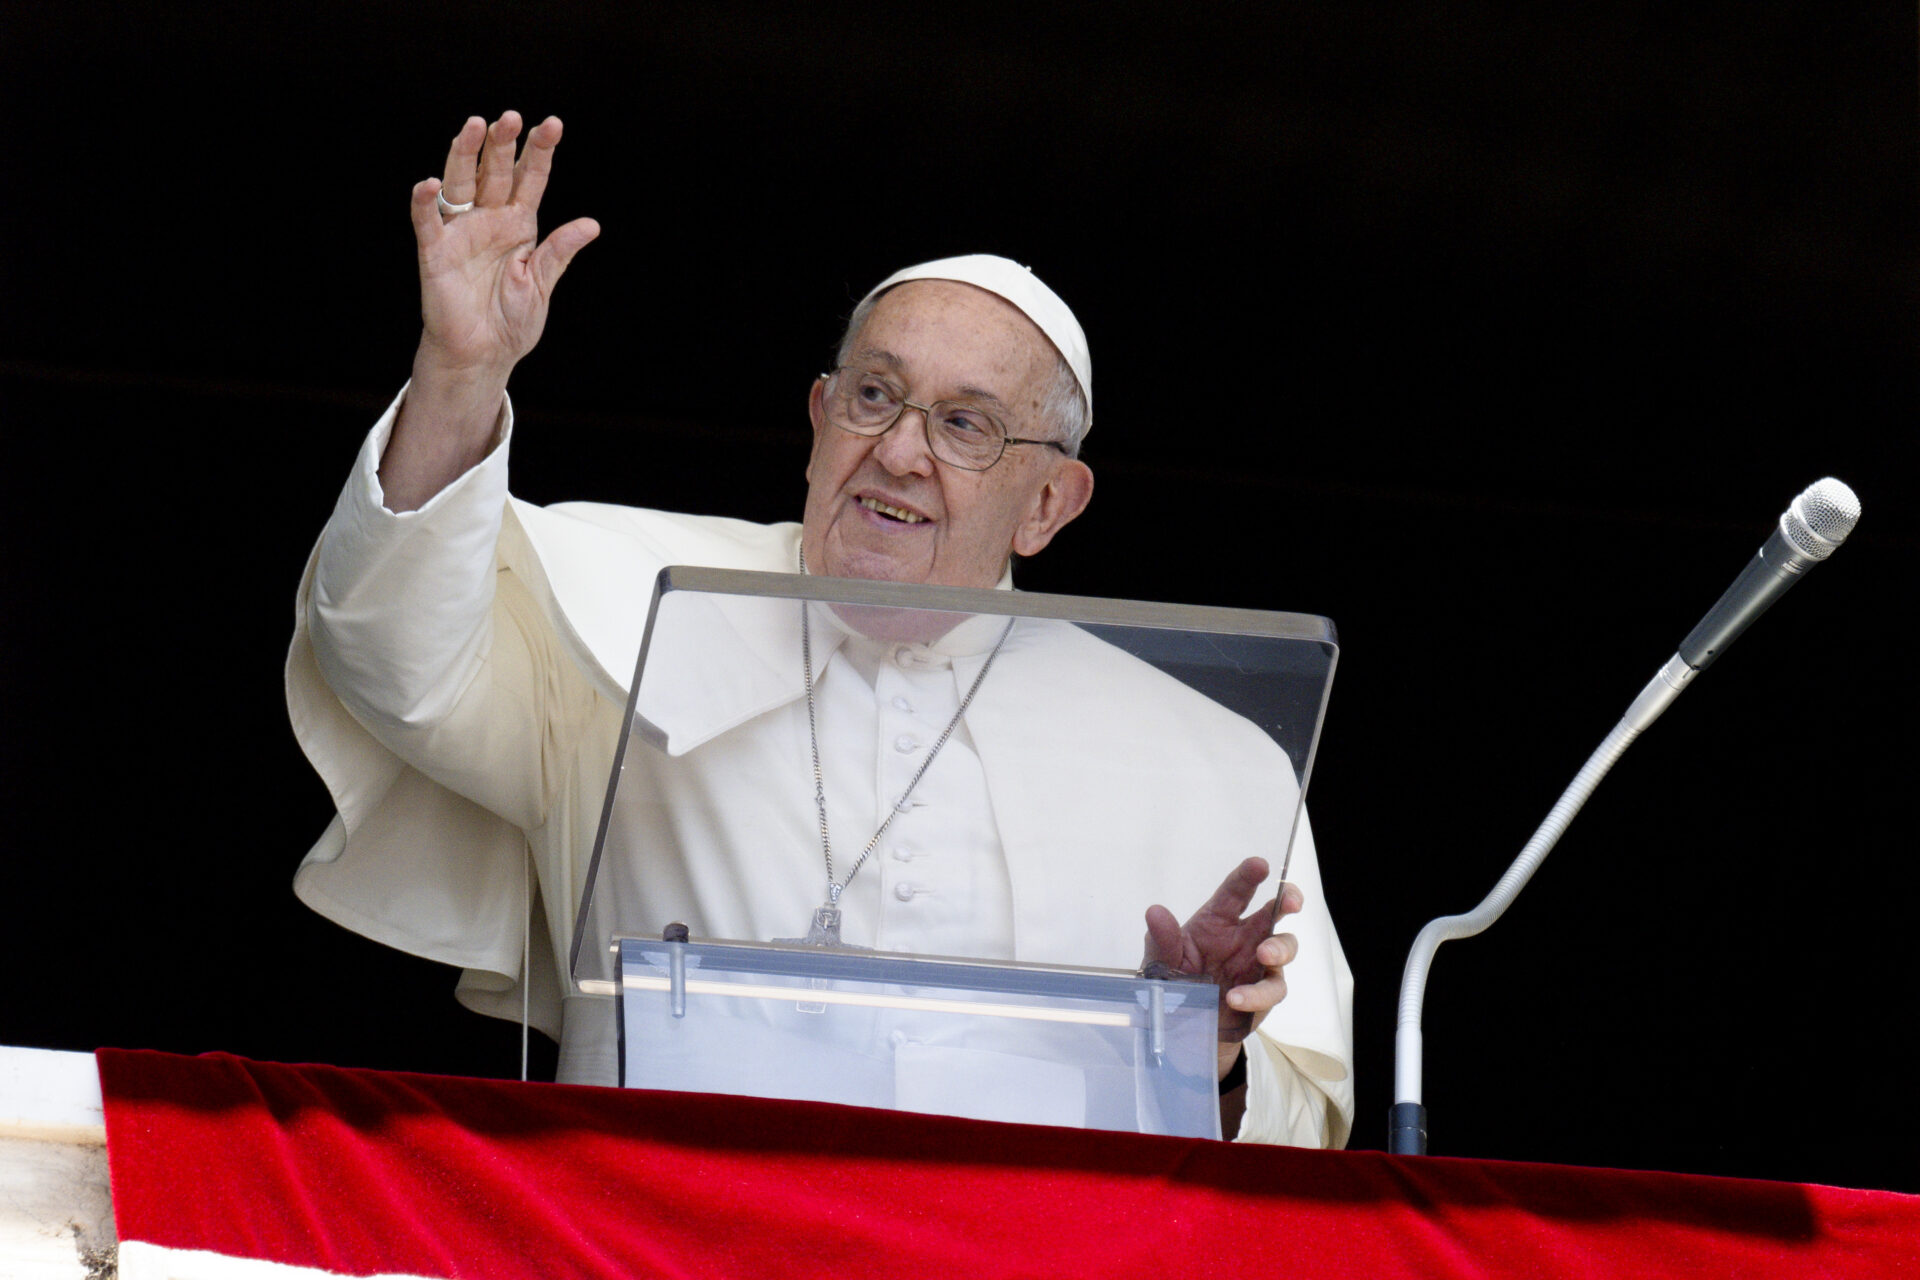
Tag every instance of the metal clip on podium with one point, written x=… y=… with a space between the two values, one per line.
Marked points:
x=1119 y=753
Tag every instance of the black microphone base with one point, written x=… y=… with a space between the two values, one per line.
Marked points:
x=1407 y=1129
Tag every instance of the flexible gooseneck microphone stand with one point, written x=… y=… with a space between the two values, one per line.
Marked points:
x=1817 y=522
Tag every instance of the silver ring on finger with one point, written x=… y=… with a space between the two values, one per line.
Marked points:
x=447 y=208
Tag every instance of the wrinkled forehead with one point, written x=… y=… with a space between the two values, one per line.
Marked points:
x=1019 y=288
x=955 y=331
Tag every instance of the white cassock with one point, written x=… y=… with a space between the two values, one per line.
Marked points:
x=458 y=677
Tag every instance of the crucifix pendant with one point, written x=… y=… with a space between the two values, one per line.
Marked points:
x=825 y=929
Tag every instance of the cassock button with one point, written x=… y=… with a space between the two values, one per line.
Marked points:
x=901 y=704
x=914 y=657
x=906 y=742
x=904 y=892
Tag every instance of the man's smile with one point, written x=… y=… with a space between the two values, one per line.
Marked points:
x=891 y=512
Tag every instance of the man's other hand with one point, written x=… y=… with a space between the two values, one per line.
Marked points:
x=1237 y=950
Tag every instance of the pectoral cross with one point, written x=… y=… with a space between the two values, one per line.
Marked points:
x=822 y=931
x=825 y=929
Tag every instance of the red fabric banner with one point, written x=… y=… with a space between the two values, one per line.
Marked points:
x=367 y=1173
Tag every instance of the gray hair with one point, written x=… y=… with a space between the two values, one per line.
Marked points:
x=1063 y=408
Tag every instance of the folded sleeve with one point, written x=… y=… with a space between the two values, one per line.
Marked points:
x=424 y=685
x=398 y=605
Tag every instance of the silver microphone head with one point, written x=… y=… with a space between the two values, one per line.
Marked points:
x=1820 y=519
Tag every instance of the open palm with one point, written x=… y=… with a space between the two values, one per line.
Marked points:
x=486 y=278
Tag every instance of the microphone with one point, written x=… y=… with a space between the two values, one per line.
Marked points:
x=1812 y=526
x=1809 y=531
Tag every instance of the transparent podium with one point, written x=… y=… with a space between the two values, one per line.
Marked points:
x=891 y=845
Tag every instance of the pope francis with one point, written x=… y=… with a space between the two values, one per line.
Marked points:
x=458 y=672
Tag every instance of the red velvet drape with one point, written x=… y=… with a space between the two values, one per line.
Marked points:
x=363 y=1172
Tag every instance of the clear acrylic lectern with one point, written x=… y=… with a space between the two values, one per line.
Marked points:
x=891 y=845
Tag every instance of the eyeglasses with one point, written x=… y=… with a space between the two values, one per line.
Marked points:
x=961 y=435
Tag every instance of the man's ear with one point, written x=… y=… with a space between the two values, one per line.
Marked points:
x=817 y=415
x=1064 y=496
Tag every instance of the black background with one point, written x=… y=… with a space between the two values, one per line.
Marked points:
x=1499 y=339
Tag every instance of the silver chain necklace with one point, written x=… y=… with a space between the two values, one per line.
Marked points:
x=825 y=929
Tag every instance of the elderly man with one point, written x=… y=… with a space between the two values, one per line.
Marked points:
x=458 y=672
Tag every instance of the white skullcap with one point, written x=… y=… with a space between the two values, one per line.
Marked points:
x=1007 y=279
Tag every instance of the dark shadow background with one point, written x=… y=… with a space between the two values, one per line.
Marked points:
x=1500 y=340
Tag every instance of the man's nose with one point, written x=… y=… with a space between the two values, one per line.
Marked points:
x=903 y=449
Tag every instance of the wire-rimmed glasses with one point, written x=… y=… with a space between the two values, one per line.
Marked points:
x=960 y=434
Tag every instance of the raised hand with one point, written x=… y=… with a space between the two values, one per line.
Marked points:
x=485 y=277
x=486 y=280
x=1240 y=952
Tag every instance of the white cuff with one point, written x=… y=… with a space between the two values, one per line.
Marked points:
x=401 y=604
x=1284 y=1105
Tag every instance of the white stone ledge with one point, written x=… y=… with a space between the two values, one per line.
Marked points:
x=56 y=1210
x=50 y=1095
